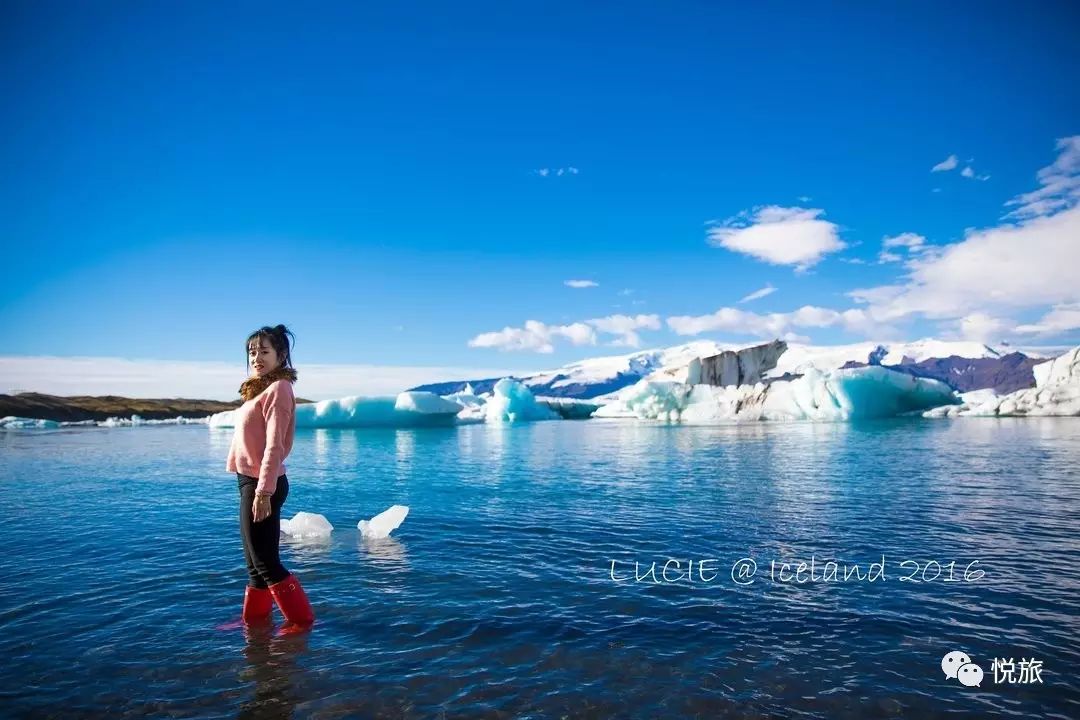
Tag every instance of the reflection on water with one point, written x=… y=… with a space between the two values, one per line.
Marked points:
x=494 y=598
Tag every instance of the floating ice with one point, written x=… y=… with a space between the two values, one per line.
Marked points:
x=425 y=402
x=384 y=523
x=512 y=402
x=866 y=392
x=408 y=409
x=305 y=524
x=570 y=408
x=13 y=422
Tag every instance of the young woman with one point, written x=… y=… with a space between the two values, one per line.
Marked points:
x=262 y=439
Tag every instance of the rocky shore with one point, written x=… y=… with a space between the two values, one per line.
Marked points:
x=79 y=408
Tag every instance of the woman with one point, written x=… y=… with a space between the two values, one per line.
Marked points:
x=263 y=437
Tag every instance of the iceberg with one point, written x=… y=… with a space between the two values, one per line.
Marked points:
x=570 y=408
x=426 y=403
x=511 y=401
x=846 y=394
x=305 y=524
x=407 y=409
x=384 y=523
x=12 y=422
x=1056 y=393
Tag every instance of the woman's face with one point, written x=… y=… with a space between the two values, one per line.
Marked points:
x=262 y=358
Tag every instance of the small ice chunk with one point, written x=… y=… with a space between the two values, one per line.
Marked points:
x=384 y=523
x=305 y=524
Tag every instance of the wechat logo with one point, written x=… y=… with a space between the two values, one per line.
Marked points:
x=958 y=666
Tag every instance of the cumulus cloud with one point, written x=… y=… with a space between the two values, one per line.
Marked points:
x=1003 y=267
x=580 y=283
x=535 y=336
x=539 y=337
x=980 y=327
x=1000 y=269
x=947 y=164
x=757 y=294
x=625 y=326
x=779 y=235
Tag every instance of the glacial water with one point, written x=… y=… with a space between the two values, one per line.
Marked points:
x=497 y=597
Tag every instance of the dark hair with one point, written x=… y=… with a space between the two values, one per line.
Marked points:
x=278 y=338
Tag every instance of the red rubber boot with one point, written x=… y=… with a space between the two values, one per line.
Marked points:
x=258 y=602
x=293 y=601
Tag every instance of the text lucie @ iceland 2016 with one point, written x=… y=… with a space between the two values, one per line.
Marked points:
x=746 y=571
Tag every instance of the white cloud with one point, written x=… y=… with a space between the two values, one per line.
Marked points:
x=148 y=378
x=804 y=198
x=557 y=172
x=535 y=336
x=980 y=327
x=757 y=294
x=1001 y=269
x=1061 y=318
x=539 y=337
x=907 y=240
x=580 y=283
x=997 y=268
x=947 y=164
x=1060 y=184
x=968 y=172
x=626 y=291
x=625 y=326
x=911 y=242
x=779 y=235
x=733 y=320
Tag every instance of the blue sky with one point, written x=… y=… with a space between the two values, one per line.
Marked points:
x=374 y=177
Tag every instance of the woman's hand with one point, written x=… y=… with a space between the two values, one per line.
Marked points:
x=260 y=507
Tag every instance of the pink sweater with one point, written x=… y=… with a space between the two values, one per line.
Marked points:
x=263 y=435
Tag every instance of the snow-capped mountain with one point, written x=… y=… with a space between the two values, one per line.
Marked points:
x=603 y=376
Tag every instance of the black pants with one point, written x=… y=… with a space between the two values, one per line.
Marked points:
x=261 y=538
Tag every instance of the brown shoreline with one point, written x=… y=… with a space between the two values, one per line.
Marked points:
x=76 y=408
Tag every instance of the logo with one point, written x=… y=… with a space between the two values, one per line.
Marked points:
x=957 y=665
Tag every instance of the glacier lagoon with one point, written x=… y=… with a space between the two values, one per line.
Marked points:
x=494 y=597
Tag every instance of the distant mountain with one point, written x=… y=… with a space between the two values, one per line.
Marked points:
x=964 y=366
x=1004 y=374
x=594 y=377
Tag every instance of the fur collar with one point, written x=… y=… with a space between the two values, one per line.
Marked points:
x=254 y=385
